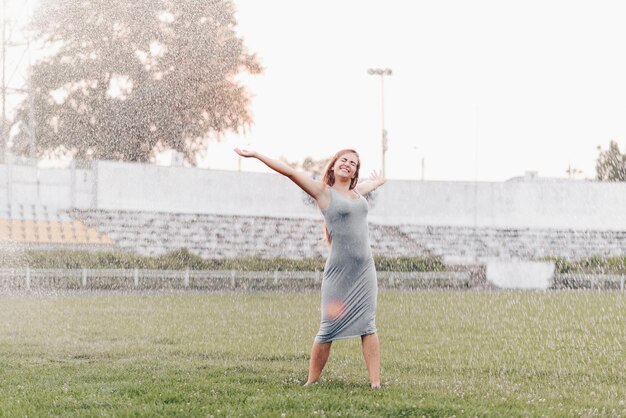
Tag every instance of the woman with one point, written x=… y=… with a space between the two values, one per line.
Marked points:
x=349 y=288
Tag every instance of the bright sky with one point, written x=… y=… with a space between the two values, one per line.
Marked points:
x=481 y=90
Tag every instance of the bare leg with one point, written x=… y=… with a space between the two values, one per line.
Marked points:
x=319 y=356
x=371 y=354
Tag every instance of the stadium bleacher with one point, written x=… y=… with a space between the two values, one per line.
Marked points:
x=223 y=236
x=227 y=236
x=40 y=226
x=460 y=242
x=216 y=236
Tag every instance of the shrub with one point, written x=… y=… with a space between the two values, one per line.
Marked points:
x=183 y=258
x=592 y=265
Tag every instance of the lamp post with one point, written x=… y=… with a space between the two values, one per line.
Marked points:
x=3 y=25
x=382 y=73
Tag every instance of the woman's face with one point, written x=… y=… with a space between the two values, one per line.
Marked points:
x=346 y=165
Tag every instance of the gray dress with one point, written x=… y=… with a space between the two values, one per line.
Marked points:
x=349 y=288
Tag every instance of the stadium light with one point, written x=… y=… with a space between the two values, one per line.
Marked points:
x=382 y=73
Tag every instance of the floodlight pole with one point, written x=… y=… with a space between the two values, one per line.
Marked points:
x=5 y=140
x=382 y=73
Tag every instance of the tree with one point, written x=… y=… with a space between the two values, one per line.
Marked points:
x=5 y=126
x=129 y=78
x=611 y=164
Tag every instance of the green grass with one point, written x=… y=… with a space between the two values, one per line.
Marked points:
x=444 y=354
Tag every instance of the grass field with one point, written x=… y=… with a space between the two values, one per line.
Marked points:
x=444 y=354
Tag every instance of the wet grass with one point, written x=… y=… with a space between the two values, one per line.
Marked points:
x=444 y=354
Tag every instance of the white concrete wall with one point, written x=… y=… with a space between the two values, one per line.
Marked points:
x=179 y=189
x=55 y=187
x=516 y=204
x=537 y=204
x=520 y=274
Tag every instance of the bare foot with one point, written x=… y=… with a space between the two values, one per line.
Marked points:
x=377 y=386
x=308 y=384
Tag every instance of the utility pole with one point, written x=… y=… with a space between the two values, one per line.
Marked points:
x=5 y=139
x=571 y=171
x=10 y=28
x=382 y=73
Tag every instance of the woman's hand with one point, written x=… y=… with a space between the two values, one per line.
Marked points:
x=377 y=178
x=375 y=181
x=245 y=153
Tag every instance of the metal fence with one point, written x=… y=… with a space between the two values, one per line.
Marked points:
x=26 y=278
x=589 y=281
x=224 y=280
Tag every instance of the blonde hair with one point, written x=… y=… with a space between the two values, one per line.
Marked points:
x=329 y=177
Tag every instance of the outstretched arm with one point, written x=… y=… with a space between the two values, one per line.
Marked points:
x=374 y=182
x=313 y=187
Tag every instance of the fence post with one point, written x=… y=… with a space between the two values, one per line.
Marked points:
x=84 y=281
x=621 y=283
x=232 y=279
x=186 y=278
x=276 y=276
x=136 y=277
x=27 y=278
x=391 y=280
